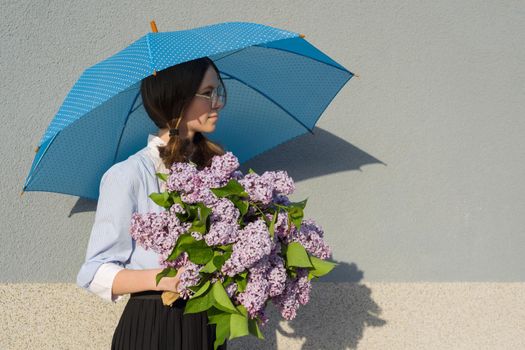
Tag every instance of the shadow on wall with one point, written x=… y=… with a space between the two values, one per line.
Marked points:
x=304 y=157
x=335 y=318
x=340 y=306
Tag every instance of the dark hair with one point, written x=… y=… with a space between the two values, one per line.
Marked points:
x=165 y=96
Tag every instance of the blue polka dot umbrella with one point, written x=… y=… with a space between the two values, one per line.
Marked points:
x=278 y=86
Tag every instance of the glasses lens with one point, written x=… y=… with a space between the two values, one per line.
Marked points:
x=218 y=95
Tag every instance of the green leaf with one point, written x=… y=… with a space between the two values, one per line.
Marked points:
x=296 y=213
x=241 y=284
x=227 y=281
x=218 y=261
x=227 y=255
x=222 y=330
x=241 y=204
x=301 y=204
x=193 y=211
x=199 y=253
x=160 y=199
x=271 y=229
x=215 y=314
x=182 y=242
x=242 y=309
x=228 y=247
x=162 y=176
x=175 y=198
x=209 y=267
x=296 y=255
x=222 y=300
x=253 y=327
x=251 y=171
x=202 y=289
x=167 y=272
x=199 y=304
x=310 y=275
x=200 y=214
x=238 y=326
x=197 y=226
x=321 y=267
x=295 y=216
x=232 y=187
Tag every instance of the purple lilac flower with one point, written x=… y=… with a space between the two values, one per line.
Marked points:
x=281 y=224
x=181 y=177
x=150 y=230
x=188 y=278
x=237 y=175
x=296 y=293
x=181 y=260
x=281 y=199
x=217 y=277
x=224 y=165
x=257 y=290
x=254 y=243
x=276 y=275
x=310 y=236
x=231 y=289
x=253 y=248
x=279 y=181
x=224 y=210
x=261 y=314
x=259 y=188
x=304 y=286
x=221 y=233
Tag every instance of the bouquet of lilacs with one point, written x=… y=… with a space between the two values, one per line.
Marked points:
x=240 y=240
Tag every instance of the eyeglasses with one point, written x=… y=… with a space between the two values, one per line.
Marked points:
x=217 y=95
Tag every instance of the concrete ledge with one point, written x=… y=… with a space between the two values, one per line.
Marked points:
x=340 y=316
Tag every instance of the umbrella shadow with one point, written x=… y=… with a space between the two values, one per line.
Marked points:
x=335 y=317
x=304 y=157
x=308 y=156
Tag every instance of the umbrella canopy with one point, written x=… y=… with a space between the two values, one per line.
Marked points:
x=278 y=86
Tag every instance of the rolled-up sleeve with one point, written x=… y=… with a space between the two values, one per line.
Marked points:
x=102 y=283
x=110 y=243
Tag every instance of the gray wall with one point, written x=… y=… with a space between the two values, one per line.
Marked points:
x=415 y=170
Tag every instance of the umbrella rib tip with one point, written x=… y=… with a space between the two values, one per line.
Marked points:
x=153 y=27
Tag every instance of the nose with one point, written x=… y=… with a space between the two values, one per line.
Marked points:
x=219 y=105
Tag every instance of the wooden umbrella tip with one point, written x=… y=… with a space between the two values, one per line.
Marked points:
x=153 y=27
x=301 y=35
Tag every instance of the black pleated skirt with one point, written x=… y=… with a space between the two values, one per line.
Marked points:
x=148 y=324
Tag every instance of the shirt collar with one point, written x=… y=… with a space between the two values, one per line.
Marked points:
x=153 y=142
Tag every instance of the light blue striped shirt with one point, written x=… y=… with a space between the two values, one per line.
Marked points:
x=124 y=189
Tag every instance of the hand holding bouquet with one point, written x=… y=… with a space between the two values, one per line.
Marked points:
x=240 y=240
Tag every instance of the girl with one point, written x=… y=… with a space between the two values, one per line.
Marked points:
x=183 y=101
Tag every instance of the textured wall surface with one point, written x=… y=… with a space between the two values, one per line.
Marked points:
x=415 y=170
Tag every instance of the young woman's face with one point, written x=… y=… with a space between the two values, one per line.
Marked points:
x=200 y=115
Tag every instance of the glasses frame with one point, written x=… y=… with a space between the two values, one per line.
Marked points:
x=214 y=96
